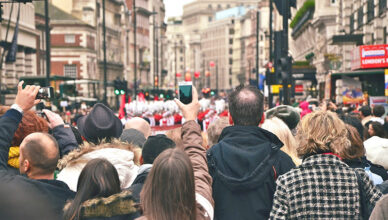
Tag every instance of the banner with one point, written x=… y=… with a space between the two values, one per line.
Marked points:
x=386 y=82
x=352 y=91
x=370 y=56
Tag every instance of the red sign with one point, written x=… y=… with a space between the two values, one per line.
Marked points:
x=178 y=74
x=197 y=74
x=370 y=56
x=299 y=89
x=212 y=64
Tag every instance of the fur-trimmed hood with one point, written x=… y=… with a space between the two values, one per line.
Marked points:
x=118 y=153
x=115 y=205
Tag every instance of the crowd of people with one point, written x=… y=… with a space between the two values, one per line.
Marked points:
x=227 y=160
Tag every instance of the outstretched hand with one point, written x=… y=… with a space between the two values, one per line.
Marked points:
x=190 y=111
x=25 y=98
x=53 y=119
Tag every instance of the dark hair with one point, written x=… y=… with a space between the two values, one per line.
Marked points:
x=42 y=155
x=378 y=129
x=366 y=110
x=169 y=191
x=355 y=122
x=99 y=178
x=378 y=110
x=154 y=146
x=246 y=106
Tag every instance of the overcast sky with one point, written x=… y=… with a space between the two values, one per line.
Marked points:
x=175 y=7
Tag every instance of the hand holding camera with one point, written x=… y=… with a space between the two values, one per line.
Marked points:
x=26 y=98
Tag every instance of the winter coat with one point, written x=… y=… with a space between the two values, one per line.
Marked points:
x=192 y=145
x=121 y=206
x=55 y=192
x=242 y=188
x=377 y=150
x=138 y=183
x=322 y=187
x=121 y=158
x=363 y=162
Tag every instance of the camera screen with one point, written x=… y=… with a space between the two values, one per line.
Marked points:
x=185 y=94
x=45 y=93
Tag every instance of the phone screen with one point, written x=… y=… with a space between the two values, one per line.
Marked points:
x=185 y=94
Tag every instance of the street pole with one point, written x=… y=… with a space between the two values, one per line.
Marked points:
x=217 y=76
x=286 y=11
x=104 y=48
x=157 y=63
x=48 y=45
x=135 y=48
x=154 y=49
x=270 y=97
x=176 y=71
x=257 y=45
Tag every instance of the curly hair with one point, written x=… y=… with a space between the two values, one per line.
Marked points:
x=30 y=123
x=322 y=132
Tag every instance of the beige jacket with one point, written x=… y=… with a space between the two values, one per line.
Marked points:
x=192 y=145
x=380 y=211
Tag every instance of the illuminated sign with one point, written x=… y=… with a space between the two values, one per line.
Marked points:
x=370 y=56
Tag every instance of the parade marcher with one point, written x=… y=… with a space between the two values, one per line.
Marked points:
x=247 y=161
x=304 y=192
x=39 y=154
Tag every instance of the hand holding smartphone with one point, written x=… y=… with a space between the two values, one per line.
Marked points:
x=185 y=92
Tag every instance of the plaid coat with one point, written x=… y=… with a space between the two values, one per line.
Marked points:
x=322 y=187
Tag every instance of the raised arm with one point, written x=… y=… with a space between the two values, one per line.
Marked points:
x=9 y=123
x=64 y=135
x=192 y=144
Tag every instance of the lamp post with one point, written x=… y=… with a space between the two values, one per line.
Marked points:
x=135 y=48
x=104 y=49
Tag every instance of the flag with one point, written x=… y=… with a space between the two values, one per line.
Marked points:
x=13 y=49
x=122 y=107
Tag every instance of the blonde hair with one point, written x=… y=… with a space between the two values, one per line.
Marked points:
x=322 y=132
x=281 y=130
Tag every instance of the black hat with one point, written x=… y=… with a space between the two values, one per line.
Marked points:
x=154 y=146
x=100 y=123
x=133 y=136
x=286 y=113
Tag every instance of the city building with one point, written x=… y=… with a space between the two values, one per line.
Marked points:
x=25 y=63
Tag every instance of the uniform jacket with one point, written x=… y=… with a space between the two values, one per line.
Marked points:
x=55 y=192
x=119 y=206
x=242 y=188
x=322 y=187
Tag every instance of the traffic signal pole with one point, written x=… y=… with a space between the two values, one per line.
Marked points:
x=257 y=46
x=270 y=97
x=286 y=80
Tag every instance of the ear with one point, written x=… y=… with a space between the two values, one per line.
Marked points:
x=230 y=119
x=26 y=166
x=141 y=160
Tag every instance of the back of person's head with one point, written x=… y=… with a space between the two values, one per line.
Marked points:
x=169 y=191
x=29 y=124
x=215 y=129
x=378 y=110
x=356 y=150
x=139 y=124
x=321 y=132
x=99 y=178
x=365 y=111
x=154 y=146
x=39 y=155
x=246 y=104
x=376 y=129
x=356 y=123
x=133 y=136
x=282 y=131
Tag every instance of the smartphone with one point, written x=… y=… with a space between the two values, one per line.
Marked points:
x=42 y=115
x=45 y=93
x=186 y=92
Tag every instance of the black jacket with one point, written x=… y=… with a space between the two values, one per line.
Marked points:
x=363 y=162
x=243 y=187
x=138 y=183
x=53 y=191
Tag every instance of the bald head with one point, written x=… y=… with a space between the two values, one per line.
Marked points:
x=246 y=105
x=139 y=124
x=42 y=153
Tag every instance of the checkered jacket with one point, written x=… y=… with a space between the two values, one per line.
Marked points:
x=322 y=187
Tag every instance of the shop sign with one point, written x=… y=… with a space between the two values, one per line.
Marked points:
x=370 y=56
x=386 y=82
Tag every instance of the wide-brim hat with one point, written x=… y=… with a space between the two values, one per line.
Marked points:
x=100 y=123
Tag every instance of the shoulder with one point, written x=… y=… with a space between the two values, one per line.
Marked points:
x=285 y=162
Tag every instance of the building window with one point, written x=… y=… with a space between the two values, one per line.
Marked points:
x=230 y=51
x=333 y=2
x=371 y=10
x=181 y=59
x=219 y=6
x=372 y=39
x=209 y=6
x=210 y=18
x=360 y=15
x=230 y=41
x=230 y=71
x=230 y=61
x=231 y=31
x=70 y=70
x=351 y=23
x=382 y=6
x=117 y=20
x=230 y=82
x=228 y=6
x=385 y=35
x=69 y=38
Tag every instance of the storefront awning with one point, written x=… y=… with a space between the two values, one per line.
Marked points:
x=359 y=72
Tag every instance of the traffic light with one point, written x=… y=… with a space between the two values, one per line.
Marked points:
x=116 y=85
x=123 y=87
x=283 y=69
